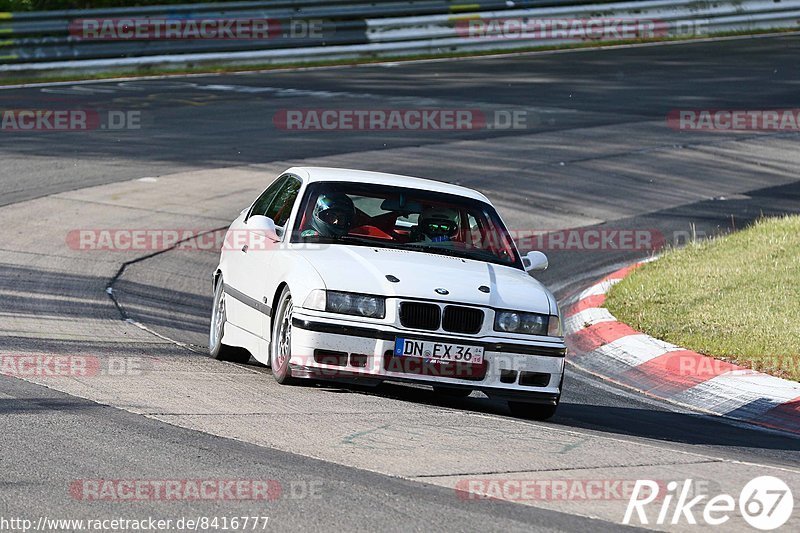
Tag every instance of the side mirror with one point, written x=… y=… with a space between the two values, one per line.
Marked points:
x=263 y=226
x=535 y=260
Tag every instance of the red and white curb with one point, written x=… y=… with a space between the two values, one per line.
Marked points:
x=603 y=346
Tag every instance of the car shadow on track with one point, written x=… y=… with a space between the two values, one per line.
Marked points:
x=643 y=422
x=669 y=426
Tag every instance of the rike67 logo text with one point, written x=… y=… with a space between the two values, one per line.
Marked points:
x=765 y=503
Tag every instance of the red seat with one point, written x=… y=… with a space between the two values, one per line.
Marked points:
x=370 y=231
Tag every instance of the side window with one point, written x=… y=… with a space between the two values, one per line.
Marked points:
x=281 y=206
x=260 y=206
x=473 y=231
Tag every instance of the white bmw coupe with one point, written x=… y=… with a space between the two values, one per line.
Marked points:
x=350 y=275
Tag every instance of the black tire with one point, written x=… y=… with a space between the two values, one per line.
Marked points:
x=532 y=411
x=216 y=349
x=452 y=392
x=280 y=345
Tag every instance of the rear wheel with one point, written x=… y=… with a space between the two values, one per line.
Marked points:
x=532 y=411
x=280 y=345
x=452 y=392
x=218 y=350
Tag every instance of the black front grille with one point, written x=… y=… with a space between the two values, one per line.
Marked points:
x=462 y=319
x=419 y=315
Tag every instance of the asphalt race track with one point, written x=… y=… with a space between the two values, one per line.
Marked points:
x=595 y=150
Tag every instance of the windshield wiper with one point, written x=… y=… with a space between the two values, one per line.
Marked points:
x=474 y=255
x=437 y=250
x=378 y=243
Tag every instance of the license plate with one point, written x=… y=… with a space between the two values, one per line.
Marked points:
x=440 y=351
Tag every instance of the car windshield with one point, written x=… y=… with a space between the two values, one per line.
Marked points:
x=410 y=219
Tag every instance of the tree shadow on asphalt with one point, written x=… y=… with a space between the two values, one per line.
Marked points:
x=44 y=294
x=36 y=406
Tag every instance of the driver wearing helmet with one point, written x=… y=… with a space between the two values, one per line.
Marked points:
x=332 y=216
x=437 y=224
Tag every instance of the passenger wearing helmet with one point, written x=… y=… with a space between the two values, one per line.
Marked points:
x=332 y=216
x=437 y=224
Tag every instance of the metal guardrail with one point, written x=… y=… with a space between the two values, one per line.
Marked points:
x=673 y=18
x=46 y=36
x=312 y=30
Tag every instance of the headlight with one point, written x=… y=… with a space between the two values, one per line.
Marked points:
x=348 y=303
x=507 y=321
x=527 y=323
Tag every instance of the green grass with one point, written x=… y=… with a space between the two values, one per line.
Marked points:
x=736 y=298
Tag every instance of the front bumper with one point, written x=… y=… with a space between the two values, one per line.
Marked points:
x=344 y=350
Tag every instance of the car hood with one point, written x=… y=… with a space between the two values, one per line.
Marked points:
x=363 y=269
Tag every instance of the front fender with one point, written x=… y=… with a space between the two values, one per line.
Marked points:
x=299 y=274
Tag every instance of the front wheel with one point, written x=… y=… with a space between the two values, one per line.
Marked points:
x=280 y=345
x=216 y=349
x=532 y=411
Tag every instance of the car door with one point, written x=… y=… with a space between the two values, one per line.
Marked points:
x=241 y=305
x=256 y=260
